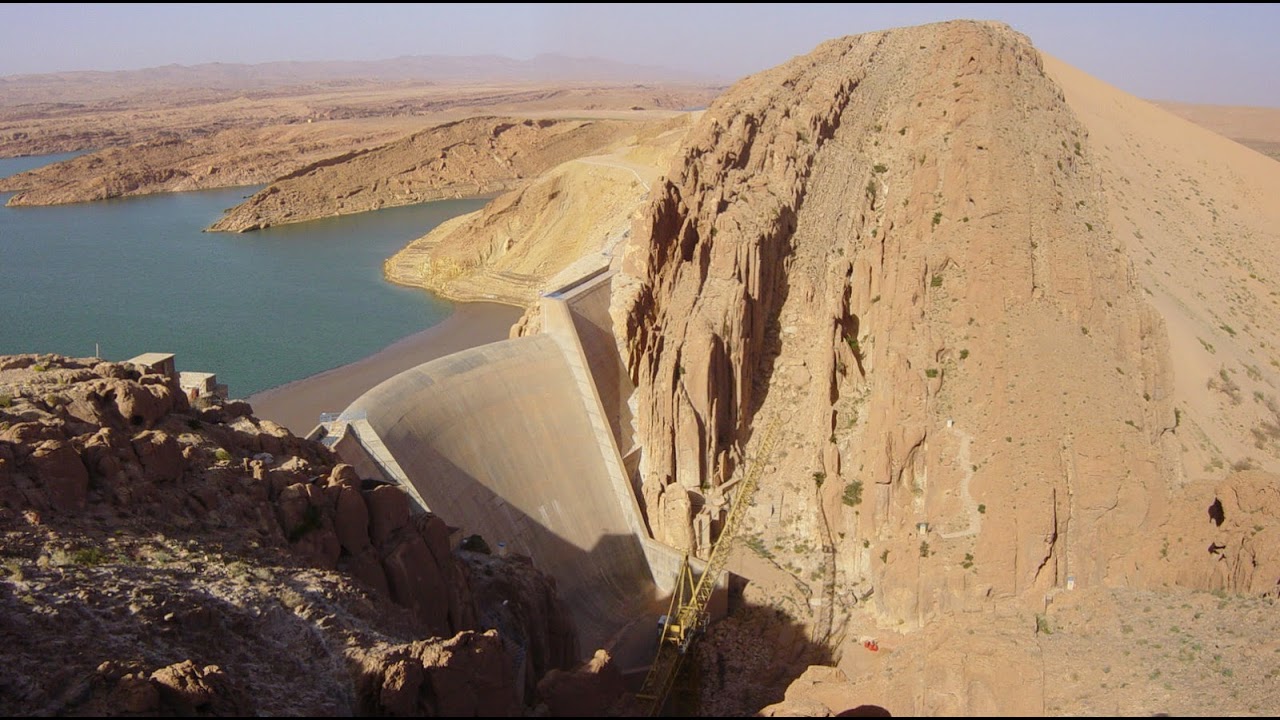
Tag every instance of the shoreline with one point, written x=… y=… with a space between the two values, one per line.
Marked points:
x=297 y=405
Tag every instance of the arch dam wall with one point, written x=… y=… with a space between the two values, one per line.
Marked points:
x=519 y=441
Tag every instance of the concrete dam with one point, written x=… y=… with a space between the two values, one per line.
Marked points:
x=523 y=442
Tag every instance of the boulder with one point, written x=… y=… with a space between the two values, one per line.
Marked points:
x=60 y=472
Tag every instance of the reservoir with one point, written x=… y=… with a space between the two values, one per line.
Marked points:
x=260 y=309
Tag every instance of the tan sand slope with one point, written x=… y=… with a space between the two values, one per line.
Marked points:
x=1198 y=218
x=572 y=215
x=466 y=158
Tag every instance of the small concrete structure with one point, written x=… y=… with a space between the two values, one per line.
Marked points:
x=201 y=384
x=193 y=384
x=161 y=363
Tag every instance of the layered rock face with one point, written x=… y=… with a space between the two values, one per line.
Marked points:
x=164 y=558
x=458 y=159
x=893 y=253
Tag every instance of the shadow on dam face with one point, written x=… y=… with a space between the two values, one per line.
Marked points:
x=497 y=440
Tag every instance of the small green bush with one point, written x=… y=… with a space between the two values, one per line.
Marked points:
x=931 y=373
x=982 y=509
x=6 y=400
x=852 y=494
x=880 y=168
x=1042 y=625
x=937 y=218
x=924 y=548
x=89 y=556
x=222 y=456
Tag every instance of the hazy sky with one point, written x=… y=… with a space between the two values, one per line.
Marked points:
x=1197 y=53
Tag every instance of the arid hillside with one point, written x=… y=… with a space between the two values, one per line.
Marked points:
x=189 y=138
x=160 y=558
x=235 y=157
x=564 y=221
x=470 y=157
x=1198 y=218
x=902 y=274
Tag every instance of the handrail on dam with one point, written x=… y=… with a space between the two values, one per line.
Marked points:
x=687 y=616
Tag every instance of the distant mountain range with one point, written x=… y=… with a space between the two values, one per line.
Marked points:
x=99 y=85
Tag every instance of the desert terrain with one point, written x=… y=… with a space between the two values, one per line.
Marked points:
x=1009 y=332
x=226 y=126
x=1257 y=128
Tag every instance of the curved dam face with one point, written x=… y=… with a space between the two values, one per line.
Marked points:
x=504 y=440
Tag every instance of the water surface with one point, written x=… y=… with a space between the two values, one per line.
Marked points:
x=260 y=309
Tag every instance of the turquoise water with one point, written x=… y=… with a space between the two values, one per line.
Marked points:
x=260 y=309
x=13 y=166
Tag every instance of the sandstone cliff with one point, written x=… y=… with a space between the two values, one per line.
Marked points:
x=240 y=156
x=459 y=159
x=159 y=558
x=565 y=220
x=899 y=258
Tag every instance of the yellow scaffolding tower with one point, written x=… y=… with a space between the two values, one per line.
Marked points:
x=687 y=617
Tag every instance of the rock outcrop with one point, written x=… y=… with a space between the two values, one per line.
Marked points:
x=457 y=159
x=163 y=558
x=891 y=273
x=898 y=254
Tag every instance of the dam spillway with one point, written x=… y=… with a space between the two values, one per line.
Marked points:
x=512 y=441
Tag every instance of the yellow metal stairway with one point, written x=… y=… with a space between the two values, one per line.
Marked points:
x=687 y=617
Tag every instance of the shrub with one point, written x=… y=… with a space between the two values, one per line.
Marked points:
x=88 y=556
x=757 y=546
x=931 y=373
x=937 y=218
x=982 y=509
x=222 y=456
x=880 y=168
x=964 y=354
x=936 y=281
x=968 y=561
x=852 y=494
x=819 y=478
x=1042 y=625
x=924 y=548
x=6 y=400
